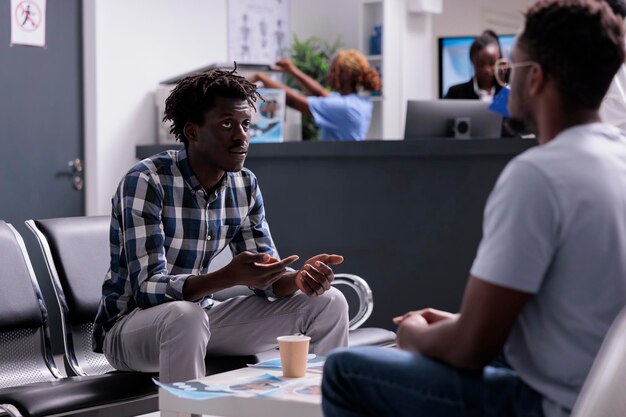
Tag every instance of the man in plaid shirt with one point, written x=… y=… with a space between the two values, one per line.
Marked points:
x=171 y=215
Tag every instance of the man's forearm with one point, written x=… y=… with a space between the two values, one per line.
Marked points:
x=199 y=286
x=286 y=284
x=441 y=340
x=446 y=341
x=474 y=337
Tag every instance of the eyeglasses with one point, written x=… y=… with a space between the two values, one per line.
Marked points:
x=503 y=68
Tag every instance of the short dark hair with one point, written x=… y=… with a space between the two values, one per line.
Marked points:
x=488 y=37
x=195 y=94
x=580 y=43
x=618 y=7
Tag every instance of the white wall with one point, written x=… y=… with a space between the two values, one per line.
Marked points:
x=326 y=19
x=130 y=46
x=469 y=17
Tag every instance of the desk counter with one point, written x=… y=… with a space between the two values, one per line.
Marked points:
x=406 y=215
x=383 y=148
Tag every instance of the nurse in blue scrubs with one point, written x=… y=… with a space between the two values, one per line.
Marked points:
x=342 y=114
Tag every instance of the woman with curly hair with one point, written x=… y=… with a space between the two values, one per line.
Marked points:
x=342 y=114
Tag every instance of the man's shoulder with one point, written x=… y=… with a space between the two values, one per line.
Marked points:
x=159 y=163
x=584 y=145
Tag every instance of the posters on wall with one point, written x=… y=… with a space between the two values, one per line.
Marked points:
x=28 y=22
x=268 y=122
x=259 y=31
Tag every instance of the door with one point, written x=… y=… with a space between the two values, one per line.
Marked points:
x=41 y=130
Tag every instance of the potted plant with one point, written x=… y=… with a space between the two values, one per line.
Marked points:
x=312 y=56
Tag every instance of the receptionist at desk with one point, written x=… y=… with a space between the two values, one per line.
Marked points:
x=342 y=114
x=484 y=53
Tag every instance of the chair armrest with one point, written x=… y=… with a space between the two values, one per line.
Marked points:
x=10 y=410
x=363 y=291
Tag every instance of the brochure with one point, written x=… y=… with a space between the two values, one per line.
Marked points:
x=306 y=389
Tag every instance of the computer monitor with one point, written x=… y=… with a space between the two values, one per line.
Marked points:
x=463 y=119
x=455 y=66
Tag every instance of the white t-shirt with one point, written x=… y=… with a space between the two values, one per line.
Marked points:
x=555 y=226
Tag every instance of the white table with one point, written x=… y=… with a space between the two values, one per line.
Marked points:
x=277 y=405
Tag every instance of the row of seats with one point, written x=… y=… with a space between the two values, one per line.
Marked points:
x=76 y=252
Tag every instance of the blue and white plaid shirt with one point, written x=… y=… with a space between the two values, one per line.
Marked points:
x=165 y=228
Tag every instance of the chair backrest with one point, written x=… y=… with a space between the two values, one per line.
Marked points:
x=603 y=392
x=76 y=251
x=25 y=355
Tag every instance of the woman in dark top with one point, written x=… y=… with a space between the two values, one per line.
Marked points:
x=484 y=53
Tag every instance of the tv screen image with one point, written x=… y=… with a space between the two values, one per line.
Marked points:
x=454 y=62
x=463 y=119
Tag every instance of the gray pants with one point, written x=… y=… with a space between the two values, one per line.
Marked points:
x=173 y=338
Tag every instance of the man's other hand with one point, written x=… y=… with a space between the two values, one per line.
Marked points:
x=412 y=323
x=256 y=270
x=315 y=276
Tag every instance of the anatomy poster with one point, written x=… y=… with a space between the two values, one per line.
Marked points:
x=259 y=31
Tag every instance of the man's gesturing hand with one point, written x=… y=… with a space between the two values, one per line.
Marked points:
x=315 y=276
x=253 y=269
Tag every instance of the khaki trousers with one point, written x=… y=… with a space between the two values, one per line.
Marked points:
x=173 y=338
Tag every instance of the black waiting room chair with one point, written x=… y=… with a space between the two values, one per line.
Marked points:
x=30 y=383
x=76 y=250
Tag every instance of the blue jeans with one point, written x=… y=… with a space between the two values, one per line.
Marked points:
x=389 y=382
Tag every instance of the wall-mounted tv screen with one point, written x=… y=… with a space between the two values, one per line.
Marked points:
x=454 y=62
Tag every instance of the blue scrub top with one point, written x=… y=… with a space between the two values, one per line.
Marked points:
x=341 y=117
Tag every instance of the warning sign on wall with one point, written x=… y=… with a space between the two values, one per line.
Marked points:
x=28 y=22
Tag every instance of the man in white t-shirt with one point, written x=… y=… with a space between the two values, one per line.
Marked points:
x=613 y=108
x=550 y=273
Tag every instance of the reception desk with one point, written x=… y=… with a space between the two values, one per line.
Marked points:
x=406 y=215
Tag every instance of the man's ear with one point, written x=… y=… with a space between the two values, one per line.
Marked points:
x=537 y=80
x=190 y=131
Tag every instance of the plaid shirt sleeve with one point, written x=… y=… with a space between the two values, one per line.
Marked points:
x=254 y=234
x=142 y=241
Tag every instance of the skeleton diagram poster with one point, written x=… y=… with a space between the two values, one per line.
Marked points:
x=258 y=31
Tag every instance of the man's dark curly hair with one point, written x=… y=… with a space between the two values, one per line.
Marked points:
x=580 y=43
x=618 y=7
x=195 y=94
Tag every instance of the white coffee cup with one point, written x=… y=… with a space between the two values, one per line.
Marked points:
x=293 y=354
